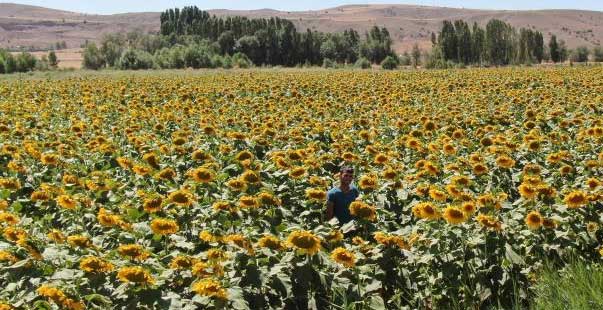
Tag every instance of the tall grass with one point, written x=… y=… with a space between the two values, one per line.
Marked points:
x=577 y=286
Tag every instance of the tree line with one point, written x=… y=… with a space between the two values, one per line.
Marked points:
x=25 y=61
x=190 y=37
x=499 y=44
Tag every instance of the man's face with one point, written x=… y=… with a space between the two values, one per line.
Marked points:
x=346 y=177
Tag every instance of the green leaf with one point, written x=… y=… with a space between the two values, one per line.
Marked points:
x=376 y=303
x=98 y=299
x=236 y=295
x=375 y=285
x=512 y=256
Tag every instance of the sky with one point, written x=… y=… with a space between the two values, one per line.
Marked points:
x=124 y=6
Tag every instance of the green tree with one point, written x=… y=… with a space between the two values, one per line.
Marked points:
x=499 y=42
x=580 y=54
x=226 y=40
x=25 y=62
x=464 y=46
x=52 y=59
x=416 y=55
x=93 y=58
x=448 y=41
x=389 y=63
x=554 y=51
x=478 y=41
x=597 y=54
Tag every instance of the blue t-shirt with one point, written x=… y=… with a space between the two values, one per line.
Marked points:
x=341 y=202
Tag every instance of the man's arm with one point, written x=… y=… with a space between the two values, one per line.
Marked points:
x=330 y=207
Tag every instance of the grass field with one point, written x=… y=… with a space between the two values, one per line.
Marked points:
x=206 y=189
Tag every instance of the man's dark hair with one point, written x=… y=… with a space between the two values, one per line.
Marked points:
x=345 y=169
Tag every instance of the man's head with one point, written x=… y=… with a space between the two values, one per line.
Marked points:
x=346 y=175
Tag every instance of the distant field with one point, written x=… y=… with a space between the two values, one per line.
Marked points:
x=68 y=58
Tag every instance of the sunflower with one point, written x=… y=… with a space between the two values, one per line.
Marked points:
x=449 y=149
x=237 y=185
x=368 y=182
x=6 y=256
x=488 y=221
x=297 y=172
x=9 y=218
x=56 y=236
x=528 y=191
x=152 y=204
x=182 y=262
x=251 y=177
x=505 y=161
x=210 y=288
x=40 y=195
x=334 y=236
x=437 y=194
x=534 y=220
x=454 y=215
x=381 y=159
x=11 y=184
x=200 y=155
x=426 y=210
x=166 y=174
x=3 y=204
x=576 y=199
x=460 y=180
x=221 y=206
x=66 y=202
x=270 y=242
x=248 y=202
x=92 y=264
x=50 y=159
x=124 y=163
x=134 y=251
x=141 y=170
x=316 y=194
x=79 y=241
x=479 y=169
x=216 y=255
x=200 y=269
x=208 y=237
x=362 y=210
x=164 y=226
x=468 y=207
x=549 y=223
x=136 y=275
x=344 y=257
x=389 y=173
x=202 y=175
x=181 y=197
x=151 y=159
x=244 y=155
x=60 y=298
x=304 y=241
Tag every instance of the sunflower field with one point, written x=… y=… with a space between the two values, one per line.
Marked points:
x=207 y=190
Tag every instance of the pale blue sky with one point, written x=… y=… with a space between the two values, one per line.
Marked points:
x=122 y=6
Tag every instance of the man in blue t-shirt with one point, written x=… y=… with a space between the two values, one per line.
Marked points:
x=340 y=198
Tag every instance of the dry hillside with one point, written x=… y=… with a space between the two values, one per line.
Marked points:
x=22 y=25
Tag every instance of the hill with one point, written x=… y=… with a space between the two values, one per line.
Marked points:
x=23 y=25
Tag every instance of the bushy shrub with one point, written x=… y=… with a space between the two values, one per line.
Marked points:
x=389 y=63
x=580 y=54
x=197 y=57
x=328 y=63
x=598 y=54
x=362 y=63
x=133 y=59
x=241 y=60
x=92 y=57
x=25 y=62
